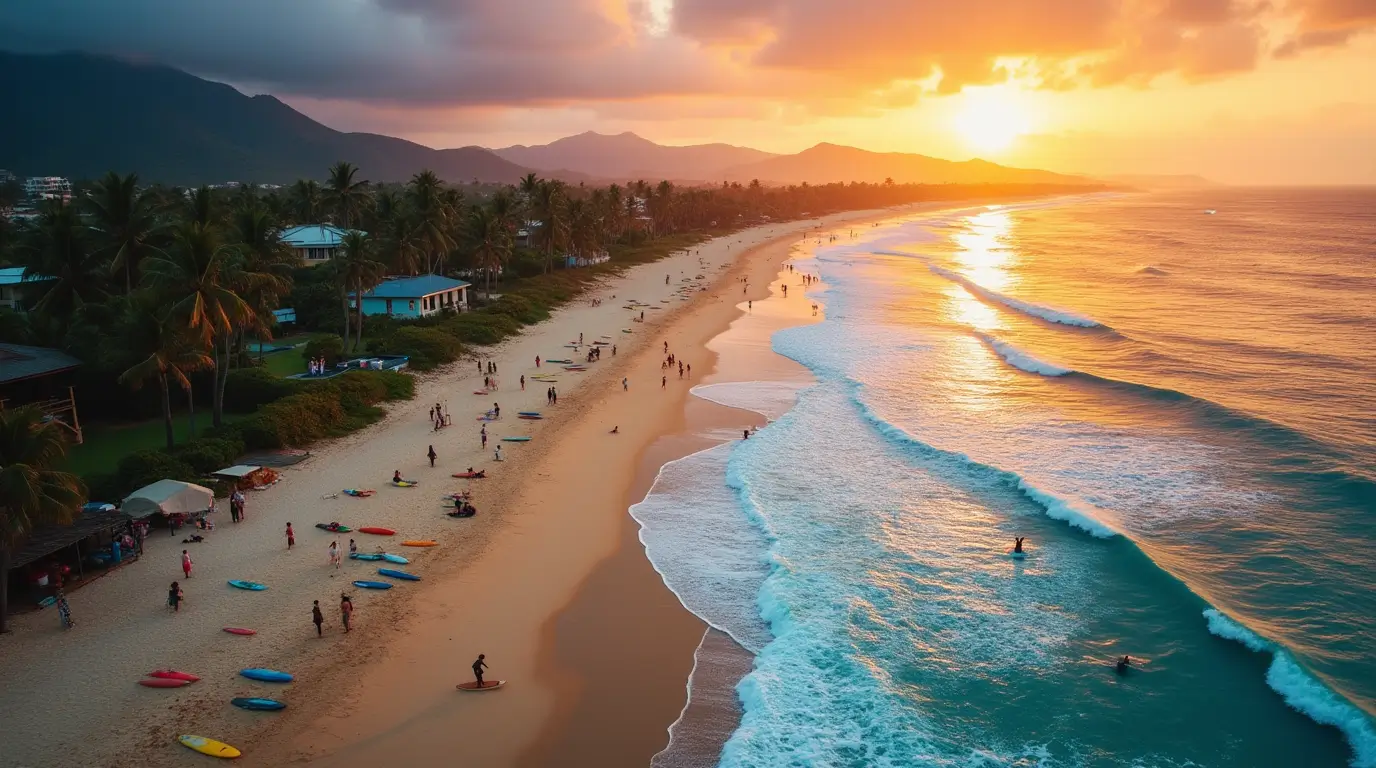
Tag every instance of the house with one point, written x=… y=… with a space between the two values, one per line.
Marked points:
x=314 y=243
x=14 y=284
x=412 y=297
x=47 y=187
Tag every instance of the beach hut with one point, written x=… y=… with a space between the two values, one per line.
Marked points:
x=414 y=297
x=169 y=497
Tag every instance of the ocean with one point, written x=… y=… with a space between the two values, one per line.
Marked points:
x=1172 y=396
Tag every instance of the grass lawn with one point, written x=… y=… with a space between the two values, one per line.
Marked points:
x=291 y=361
x=106 y=444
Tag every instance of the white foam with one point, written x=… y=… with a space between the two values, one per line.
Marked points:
x=1020 y=359
x=771 y=399
x=1036 y=310
x=1302 y=691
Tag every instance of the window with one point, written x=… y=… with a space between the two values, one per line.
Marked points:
x=411 y=305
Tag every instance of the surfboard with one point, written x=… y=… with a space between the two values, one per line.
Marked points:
x=488 y=685
x=470 y=475
x=172 y=674
x=391 y=558
x=334 y=528
x=527 y=413
x=419 y=543
x=209 y=747
x=394 y=573
x=515 y=439
x=1018 y=555
x=531 y=418
x=372 y=585
x=365 y=556
x=406 y=484
x=240 y=631
x=376 y=531
x=252 y=586
x=266 y=675
x=264 y=705
x=162 y=682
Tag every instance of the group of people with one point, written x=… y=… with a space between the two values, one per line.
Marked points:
x=346 y=612
x=316 y=366
x=439 y=416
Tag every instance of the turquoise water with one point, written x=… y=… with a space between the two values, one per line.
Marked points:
x=1176 y=408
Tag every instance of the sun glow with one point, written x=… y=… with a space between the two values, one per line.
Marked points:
x=991 y=119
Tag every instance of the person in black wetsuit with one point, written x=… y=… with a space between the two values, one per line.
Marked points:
x=1123 y=664
x=1017 y=543
x=478 y=667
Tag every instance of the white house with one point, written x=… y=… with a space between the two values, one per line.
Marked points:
x=45 y=187
x=314 y=243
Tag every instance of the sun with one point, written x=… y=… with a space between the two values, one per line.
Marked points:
x=990 y=119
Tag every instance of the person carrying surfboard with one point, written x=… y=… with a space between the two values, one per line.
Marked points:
x=478 y=667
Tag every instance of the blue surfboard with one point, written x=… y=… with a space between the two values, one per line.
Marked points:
x=391 y=558
x=265 y=705
x=394 y=573
x=266 y=675
x=249 y=585
x=372 y=585
x=365 y=556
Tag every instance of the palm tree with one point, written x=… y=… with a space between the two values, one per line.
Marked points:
x=195 y=276
x=430 y=218
x=346 y=197
x=303 y=200
x=263 y=268
x=357 y=272
x=169 y=353
x=123 y=221
x=394 y=233
x=200 y=207
x=58 y=247
x=32 y=491
x=490 y=238
x=548 y=205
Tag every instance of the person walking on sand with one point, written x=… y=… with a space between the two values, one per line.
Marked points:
x=291 y=537
x=484 y=438
x=353 y=547
x=186 y=563
x=537 y=361
x=480 y=665
x=431 y=454
x=334 y=553
x=523 y=382
x=625 y=384
x=174 y=597
x=318 y=619
x=346 y=610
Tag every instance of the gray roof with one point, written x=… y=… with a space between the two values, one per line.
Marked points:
x=414 y=287
x=19 y=362
x=47 y=539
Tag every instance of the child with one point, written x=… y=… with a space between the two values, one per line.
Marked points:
x=186 y=563
x=291 y=537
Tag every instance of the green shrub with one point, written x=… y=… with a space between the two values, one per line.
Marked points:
x=399 y=386
x=426 y=347
x=300 y=419
x=329 y=347
x=149 y=466
x=481 y=327
x=519 y=308
x=208 y=454
x=248 y=388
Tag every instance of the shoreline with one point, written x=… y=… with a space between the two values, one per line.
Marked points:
x=547 y=518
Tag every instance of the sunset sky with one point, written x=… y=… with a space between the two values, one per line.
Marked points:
x=1270 y=91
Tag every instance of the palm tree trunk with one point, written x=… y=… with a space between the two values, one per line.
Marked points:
x=358 y=341
x=344 y=298
x=191 y=409
x=166 y=411
x=4 y=588
x=218 y=406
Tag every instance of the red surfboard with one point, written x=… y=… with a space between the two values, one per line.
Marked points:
x=162 y=682
x=488 y=685
x=240 y=631
x=172 y=674
x=377 y=531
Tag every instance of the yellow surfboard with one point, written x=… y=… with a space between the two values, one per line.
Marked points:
x=420 y=543
x=209 y=746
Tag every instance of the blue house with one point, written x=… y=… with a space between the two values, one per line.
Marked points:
x=314 y=243
x=412 y=297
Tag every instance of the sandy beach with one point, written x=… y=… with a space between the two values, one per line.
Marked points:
x=549 y=517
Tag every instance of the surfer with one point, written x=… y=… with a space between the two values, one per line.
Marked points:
x=478 y=667
x=616 y=430
x=1123 y=664
x=1017 y=544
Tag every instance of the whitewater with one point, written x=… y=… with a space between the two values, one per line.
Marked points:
x=1194 y=488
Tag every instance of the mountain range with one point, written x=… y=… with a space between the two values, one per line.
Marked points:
x=80 y=115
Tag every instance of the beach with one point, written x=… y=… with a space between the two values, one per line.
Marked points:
x=550 y=515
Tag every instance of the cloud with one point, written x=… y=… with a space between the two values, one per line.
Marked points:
x=821 y=56
x=1327 y=23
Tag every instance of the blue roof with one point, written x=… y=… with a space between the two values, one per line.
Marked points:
x=414 y=287
x=15 y=276
x=313 y=236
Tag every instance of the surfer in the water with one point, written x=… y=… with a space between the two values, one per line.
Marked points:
x=478 y=667
x=1017 y=544
x=1123 y=664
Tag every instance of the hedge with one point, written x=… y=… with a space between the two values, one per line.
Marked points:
x=428 y=348
x=247 y=389
x=324 y=409
x=329 y=347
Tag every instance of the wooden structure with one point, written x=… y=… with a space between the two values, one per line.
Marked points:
x=26 y=378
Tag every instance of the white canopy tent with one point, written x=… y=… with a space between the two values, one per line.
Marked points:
x=169 y=497
x=237 y=472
